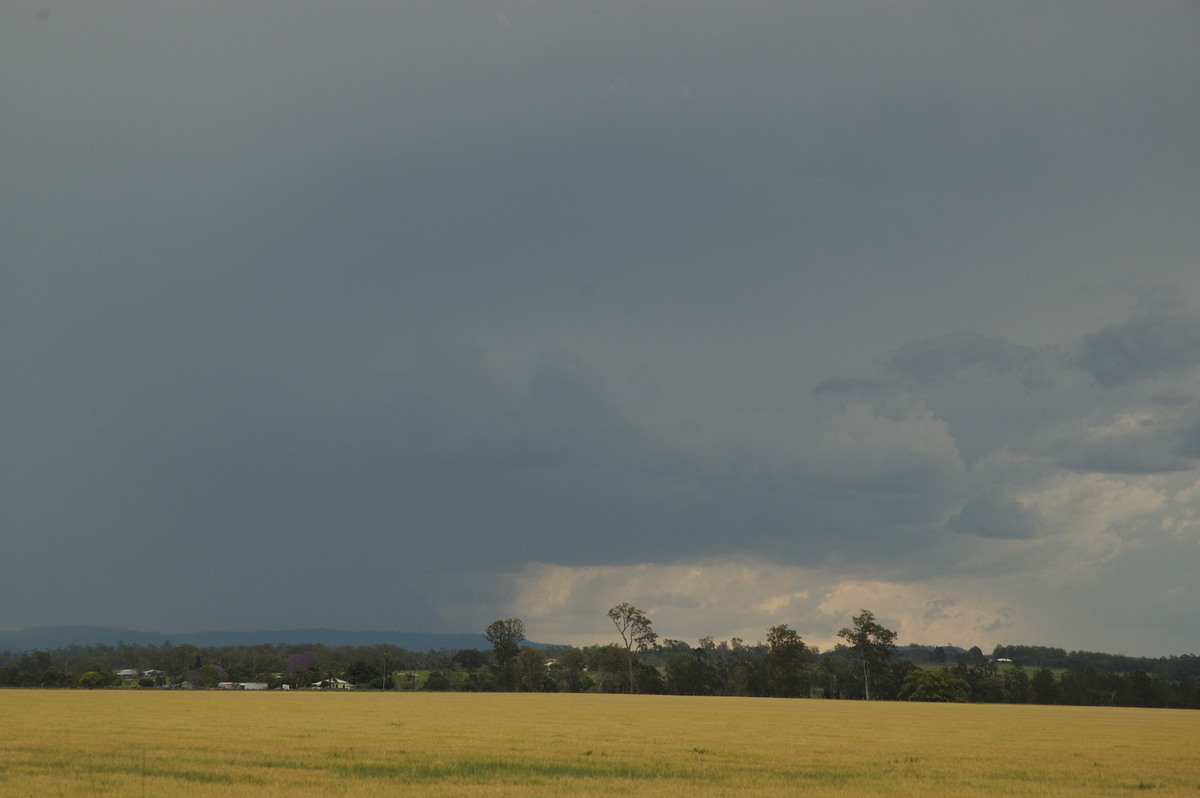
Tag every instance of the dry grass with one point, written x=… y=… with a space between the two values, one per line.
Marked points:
x=134 y=743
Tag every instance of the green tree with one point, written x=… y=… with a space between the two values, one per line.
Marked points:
x=608 y=663
x=436 y=681
x=361 y=672
x=1043 y=687
x=934 y=685
x=36 y=670
x=91 y=680
x=470 y=659
x=568 y=671
x=634 y=628
x=505 y=637
x=1139 y=689
x=973 y=656
x=647 y=679
x=511 y=629
x=209 y=676
x=534 y=677
x=786 y=663
x=689 y=674
x=1016 y=685
x=835 y=674
x=874 y=643
x=987 y=686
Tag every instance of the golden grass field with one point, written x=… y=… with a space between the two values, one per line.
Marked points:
x=134 y=743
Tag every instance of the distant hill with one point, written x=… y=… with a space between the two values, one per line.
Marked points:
x=48 y=638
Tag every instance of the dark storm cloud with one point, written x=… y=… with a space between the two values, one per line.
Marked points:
x=937 y=360
x=993 y=392
x=376 y=292
x=1147 y=346
x=1134 y=442
x=994 y=516
x=863 y=388
x=1187 y=443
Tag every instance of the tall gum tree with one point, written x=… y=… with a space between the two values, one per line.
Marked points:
x=634 y=628
x=506 y=636
x=874 y=643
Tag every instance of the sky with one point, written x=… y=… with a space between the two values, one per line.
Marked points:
x=416 y=315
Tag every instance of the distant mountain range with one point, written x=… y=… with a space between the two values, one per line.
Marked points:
x=48 y=638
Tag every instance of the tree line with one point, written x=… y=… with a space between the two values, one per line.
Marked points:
x=866 y=665
x=1170 y=668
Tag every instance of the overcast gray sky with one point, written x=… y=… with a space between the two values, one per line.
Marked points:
x=414 y=315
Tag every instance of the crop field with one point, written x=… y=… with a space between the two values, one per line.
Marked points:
x=154 y=743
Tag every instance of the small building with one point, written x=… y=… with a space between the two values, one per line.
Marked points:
x=332 y=684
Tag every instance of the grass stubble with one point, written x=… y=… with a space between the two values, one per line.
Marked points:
x=200 y=744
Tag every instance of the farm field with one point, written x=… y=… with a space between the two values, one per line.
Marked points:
x=134 y=743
